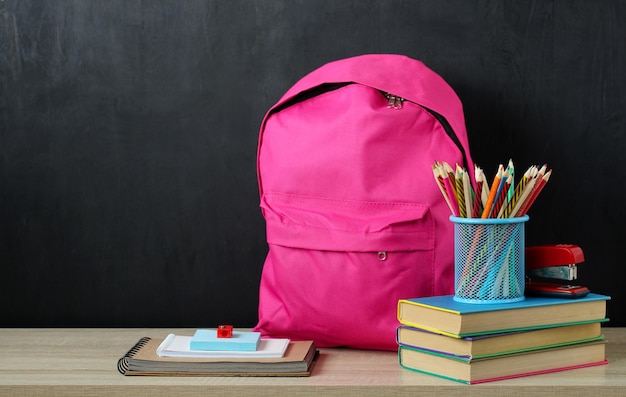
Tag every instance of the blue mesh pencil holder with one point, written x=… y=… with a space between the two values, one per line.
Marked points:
x=489 y=259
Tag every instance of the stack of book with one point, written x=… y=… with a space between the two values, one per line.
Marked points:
x=477 y=343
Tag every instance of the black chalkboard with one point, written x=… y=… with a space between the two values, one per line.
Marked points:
x=128 y=133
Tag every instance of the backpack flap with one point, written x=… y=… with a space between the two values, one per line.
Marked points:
x=397 y=75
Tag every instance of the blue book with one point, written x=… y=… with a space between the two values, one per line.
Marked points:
x=206 y=339
x=444 y=315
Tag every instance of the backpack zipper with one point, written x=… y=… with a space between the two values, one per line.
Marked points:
x=394 y=101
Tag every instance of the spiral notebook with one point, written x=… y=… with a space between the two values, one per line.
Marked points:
x=142 y=359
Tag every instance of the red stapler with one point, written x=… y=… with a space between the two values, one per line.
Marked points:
x=547 y=263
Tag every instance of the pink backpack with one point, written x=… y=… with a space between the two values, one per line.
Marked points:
x=354 y=218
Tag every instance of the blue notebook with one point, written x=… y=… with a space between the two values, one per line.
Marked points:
x=206 y=339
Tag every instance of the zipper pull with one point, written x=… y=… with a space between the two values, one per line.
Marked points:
x=394 y=102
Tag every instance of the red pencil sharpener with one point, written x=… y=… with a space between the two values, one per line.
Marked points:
x=225 y=331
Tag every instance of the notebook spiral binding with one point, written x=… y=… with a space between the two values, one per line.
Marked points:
x=122 y=363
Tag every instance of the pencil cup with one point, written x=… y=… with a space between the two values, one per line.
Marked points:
x=489 y=259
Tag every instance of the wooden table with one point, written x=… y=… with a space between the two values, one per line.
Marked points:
x=82 y=362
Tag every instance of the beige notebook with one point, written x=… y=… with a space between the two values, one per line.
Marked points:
x=142 y=359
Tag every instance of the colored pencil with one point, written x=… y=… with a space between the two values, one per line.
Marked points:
x=448 y=170
x=492 y=192
x=501 y=194
x=478 y=204
x=467 y=193
x=511 y=190
x=525 y=193
x=535 y=193
x=460 y=195
x=484 y=191
x=442 y=187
